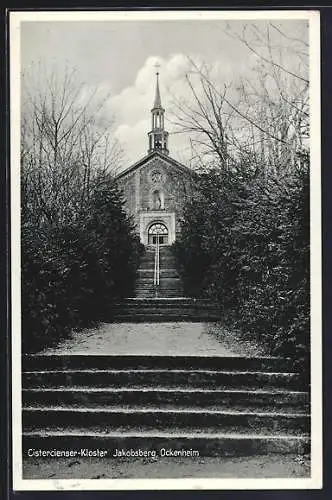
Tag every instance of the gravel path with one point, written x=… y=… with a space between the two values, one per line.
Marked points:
x=260 y=466
x=176 y=338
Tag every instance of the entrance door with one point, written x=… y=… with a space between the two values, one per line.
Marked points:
x=158 y=232
x=157 y=238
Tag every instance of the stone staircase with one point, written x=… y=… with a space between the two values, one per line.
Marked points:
x=165 y=309
x=165 y=302
x=170 y=282
x=218 y=406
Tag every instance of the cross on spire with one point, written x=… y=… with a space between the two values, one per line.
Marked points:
x=157 y=100
x=157 y=66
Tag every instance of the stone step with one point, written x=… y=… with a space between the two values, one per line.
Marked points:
x=160 y=378
x=164 y=280
x=166 y=313
x=146 y=293
x=31 y=362
x=164 y=317
x=169 y=293
x=162 y=302
x=164 y=273
x=176 y=304
x=180 y=303
x=166 y=263
x=147 y=263
x=168 y=398
x=143 y=293
x=155 y=292
x=160 y=288
x=177 y=311
x=148 y=255
x=151 y=256
x=160 y=308
x=163 y=287
x=218 y=405
x=166 y=249
x=159 y=291
x=232 y=421
x=208 y=442
x=145 y=287
x=148 y=277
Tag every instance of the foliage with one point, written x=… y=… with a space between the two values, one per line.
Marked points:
x=79 y=249
x=245 y=235
x=250 y=241
x=73 y=272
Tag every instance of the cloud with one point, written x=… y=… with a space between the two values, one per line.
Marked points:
x=132 y=106
x=133 y=139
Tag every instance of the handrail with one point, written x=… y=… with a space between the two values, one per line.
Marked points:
x=158 y=261
x=156 y=265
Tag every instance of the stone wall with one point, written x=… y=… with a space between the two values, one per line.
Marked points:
x=156 y=186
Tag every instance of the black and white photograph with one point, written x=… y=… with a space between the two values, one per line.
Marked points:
x=165 y=250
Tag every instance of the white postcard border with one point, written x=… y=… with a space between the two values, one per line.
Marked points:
x=315 y=481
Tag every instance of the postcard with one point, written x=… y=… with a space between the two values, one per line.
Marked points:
x=166 y=250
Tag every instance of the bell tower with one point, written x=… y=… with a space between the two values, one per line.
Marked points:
x=158 y=137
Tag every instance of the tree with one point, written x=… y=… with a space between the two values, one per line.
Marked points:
x=66 y=145
x=247 y=228
x=262 y=120
x=278 y=99
x=79 y=248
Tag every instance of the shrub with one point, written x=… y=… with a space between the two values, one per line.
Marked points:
x=250 y=240
x=73 y=271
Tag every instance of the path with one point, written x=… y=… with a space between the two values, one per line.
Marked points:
x=263 y=466
x=171 y=338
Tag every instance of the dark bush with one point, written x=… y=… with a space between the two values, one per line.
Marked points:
x=245 y=244
x=72 y=271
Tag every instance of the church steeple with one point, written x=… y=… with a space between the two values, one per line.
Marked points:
x=157 y=100
x=158 y=137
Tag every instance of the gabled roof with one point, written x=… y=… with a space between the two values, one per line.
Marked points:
x=148 y=157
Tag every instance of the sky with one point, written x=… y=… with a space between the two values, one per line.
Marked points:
x=119 y=57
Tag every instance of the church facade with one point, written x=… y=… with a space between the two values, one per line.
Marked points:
x=157 y=186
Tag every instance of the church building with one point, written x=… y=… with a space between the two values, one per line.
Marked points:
x=156 y=186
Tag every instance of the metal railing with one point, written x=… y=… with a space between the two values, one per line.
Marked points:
x=156 y=275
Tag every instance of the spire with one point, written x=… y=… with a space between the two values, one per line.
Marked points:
x=157 y=100
x=158 y=137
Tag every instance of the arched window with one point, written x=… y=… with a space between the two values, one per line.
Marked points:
x=158 y=232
